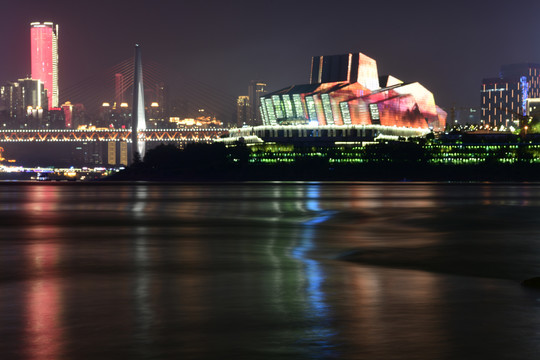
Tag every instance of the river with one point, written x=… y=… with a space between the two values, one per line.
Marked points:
x=269 y=271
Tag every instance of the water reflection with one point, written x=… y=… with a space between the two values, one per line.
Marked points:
x=317 y=310
x=251 y=271
x=44 y=295
x=386 y=303
x=139 y=204
x=144 y=311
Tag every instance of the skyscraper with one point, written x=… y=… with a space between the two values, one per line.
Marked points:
x=255 y=91
x=242 y=110
x=44 y=55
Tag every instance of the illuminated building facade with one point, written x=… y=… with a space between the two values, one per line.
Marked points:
x=44 y=57
x=504 y=99
x=201 y=122
x=346 y=90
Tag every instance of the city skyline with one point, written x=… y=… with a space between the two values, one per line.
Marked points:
x=450 y=48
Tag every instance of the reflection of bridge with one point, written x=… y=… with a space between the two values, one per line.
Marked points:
x=150 y=135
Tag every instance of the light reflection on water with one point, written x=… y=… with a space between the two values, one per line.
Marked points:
x=43 y=302
x=254 y=271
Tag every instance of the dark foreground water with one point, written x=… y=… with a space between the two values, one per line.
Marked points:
x=269 y=271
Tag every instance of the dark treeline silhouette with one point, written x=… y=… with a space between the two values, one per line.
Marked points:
x=197 y=161
x=393 y=161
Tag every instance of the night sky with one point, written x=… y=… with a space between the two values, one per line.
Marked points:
x=447 y=46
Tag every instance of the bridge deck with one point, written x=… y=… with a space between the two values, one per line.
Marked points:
x=162 y=135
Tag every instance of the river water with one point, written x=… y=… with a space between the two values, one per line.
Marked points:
x=269 y=271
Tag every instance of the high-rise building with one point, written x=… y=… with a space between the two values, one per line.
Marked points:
x=255 y=91
x=504 y=99
x=25 y=101
x=242 y=110
x=44 y=56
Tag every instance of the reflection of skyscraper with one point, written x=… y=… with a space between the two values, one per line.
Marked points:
x=256 y=90
x=44 y=55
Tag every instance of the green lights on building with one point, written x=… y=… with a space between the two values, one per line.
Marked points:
x=437 y=154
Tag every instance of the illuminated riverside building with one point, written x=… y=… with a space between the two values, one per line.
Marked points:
x=346 y=101
x=504 y=99
x=346 y=90
x=44 y=57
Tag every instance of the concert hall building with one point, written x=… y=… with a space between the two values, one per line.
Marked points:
x=346 y=100
x=347 y=90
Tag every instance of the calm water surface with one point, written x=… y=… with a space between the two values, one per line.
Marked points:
x=269 y=271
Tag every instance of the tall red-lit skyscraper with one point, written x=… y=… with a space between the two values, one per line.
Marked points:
x=44 y=53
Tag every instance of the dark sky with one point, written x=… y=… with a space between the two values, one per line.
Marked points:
x=447 y=46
